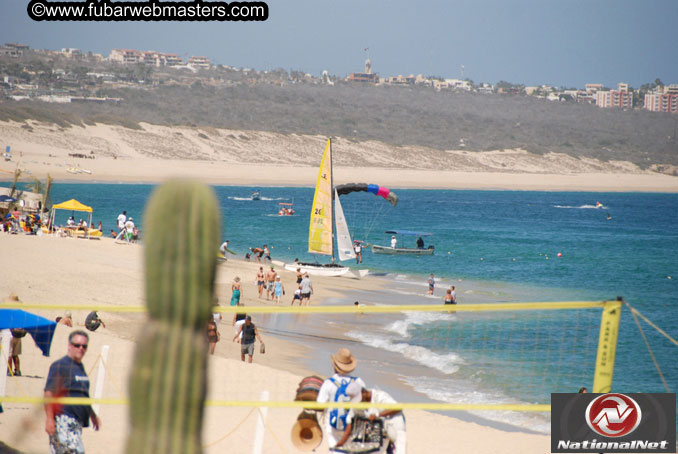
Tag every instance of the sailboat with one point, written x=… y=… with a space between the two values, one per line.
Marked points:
x=321 y=234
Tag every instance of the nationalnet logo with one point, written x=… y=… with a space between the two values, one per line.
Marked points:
x=613 y=423
x=613 y=415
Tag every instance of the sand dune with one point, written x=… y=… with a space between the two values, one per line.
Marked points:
x=256 y=158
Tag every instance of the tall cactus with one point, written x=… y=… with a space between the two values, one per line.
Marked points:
x=168 y=382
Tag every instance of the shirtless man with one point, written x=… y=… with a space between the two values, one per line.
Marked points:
x=270 y=282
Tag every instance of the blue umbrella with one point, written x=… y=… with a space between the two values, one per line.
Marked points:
x=40 y=328
x=5 y=198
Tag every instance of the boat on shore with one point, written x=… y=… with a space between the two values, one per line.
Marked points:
x=419 y=249
x=322 y=226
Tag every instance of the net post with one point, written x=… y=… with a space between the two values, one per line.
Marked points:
x=260 y=430
x=101 y=377
x=607 y=346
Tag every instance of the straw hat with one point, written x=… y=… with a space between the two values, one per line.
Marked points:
x=306 y=433
x=344 y=362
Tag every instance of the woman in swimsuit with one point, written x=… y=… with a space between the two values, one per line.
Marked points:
x=212 y=335
x=235 y=287
x=299 y=276
x=260 y=280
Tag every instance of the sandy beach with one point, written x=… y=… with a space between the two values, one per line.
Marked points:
x=48 y=270
x=255 y=158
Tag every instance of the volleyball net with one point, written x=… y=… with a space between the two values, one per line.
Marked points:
x=491 y=357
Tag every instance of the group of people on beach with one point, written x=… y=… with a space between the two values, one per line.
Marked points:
x=127 y=231
x=259 y=252
x=271 y=281
x=246 y=332
x=450 y=295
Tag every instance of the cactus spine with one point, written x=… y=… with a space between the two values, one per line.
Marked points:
x=169 y=379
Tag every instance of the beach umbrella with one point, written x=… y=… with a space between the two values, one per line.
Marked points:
x=40 y=328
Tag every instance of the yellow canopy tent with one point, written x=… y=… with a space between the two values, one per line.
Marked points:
x=74 y=205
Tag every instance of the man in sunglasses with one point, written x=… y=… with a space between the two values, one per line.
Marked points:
x=67 y=378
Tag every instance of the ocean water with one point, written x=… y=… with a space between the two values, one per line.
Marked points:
x=494 y=246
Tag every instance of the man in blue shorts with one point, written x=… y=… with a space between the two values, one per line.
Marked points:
x=67 y=378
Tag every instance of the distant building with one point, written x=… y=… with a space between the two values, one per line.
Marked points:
x=13 y=50
x=126 y=56
x=662 y=102
x=363 y=78
x=199 y=62
x=400 y=80
x=72 y=52
x=486 y=89
x=614 y=98
x=593 y=88
x=458 y=84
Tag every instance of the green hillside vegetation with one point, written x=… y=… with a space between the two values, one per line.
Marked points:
x=395 y=115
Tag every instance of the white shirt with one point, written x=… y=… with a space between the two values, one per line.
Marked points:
x=223 y=247
x=327 y=393
x=121 y=221
x=306 y=285
x=129 y=225
x=392 y=425
x=70 y=222
x=394 y=242
x=357 y=248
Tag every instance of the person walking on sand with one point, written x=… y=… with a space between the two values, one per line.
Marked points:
x=238 y=320
x=122 y=218
x=15 y=351
x=213 y=335
x=279 y=289
x=67 y=378
x=340 y=387
x=306 y=290
x=249 y=333
x=236 y=289
x=431 y=284
x=260 y=280
x=299 y=276
x=270 y=282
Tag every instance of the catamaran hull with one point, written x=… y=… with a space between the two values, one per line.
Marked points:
x=318 y=270
x=400 y=250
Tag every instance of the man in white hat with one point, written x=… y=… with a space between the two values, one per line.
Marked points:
x=340 y=387
x=394 y=242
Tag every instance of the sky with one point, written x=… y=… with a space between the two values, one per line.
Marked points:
x=565 y=43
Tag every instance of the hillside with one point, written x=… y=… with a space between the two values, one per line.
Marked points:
x=397 y=116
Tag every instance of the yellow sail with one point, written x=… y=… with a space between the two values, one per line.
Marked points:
x=320 y=229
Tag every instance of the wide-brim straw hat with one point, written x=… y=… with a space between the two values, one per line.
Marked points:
x=306 y=433
x=344 y=362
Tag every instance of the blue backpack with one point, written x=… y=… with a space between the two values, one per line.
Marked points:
x=338 y=415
